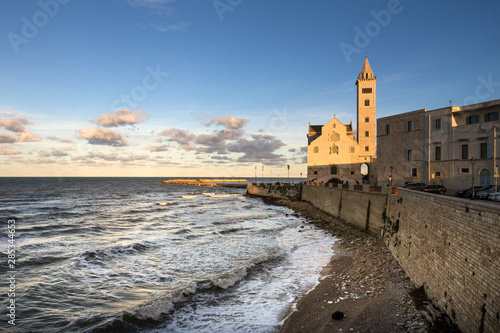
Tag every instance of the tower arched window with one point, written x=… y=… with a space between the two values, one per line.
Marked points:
x=316 y=149
x=333 y=170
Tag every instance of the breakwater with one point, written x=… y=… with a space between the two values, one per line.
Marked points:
x=235 y=183
x=448 y=246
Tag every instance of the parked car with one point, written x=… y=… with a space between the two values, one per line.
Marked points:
x=437 y=189
x=463 y=193
x=484 y=188
x=485 y=194
x=414 y=186
x=494 y=196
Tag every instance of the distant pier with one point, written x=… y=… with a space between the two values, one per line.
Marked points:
x=209 y=182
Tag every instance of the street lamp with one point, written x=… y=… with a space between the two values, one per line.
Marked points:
x=473 y=161
x=390 y=177
x=255 y=174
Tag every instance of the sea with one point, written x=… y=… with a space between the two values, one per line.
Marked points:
x=136 y=255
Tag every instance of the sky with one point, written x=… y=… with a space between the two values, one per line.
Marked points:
x=221 y=88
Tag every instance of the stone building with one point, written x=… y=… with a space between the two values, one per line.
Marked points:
x=334 y=154
x=452 y=146
x=400 y=148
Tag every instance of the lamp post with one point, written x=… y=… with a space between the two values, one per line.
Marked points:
x=288 y=166
x=496 y=175
x=390 y=177
x=255 y=174
x=473 y=161
x=262 y=174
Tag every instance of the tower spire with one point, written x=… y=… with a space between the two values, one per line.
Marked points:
x=366 y=71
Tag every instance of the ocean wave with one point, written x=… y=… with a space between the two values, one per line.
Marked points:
x=166 y=203
x=230 y=278
x=41 y=260
x=116 y=251
x=66 y=207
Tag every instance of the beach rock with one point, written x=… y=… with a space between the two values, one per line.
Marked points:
x=338 y=315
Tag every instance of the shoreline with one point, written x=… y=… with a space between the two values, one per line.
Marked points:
x=362 y=279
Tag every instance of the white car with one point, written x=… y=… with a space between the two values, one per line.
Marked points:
x=485 y=194
x=494 y=196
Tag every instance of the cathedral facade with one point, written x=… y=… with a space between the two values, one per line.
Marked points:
x=334 y=153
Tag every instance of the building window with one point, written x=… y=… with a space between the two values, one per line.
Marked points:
x=464 y=170
x=367 y=102
x=366 y=90
x=414 y=172
x=484 y=150
x=352 y=173
x=367 y=148
x=316 y=150
x=387 y=129
x=351 y=149
x=409 y=127
x=367 y=119
x=367 y=133
x=333 y=170
x=472 y=120
x=437 y=154
x=334 y=149
x=315 y=172
x=465 y=152
x=437 y=124
x=408 y=155
x=492 y=116
x=438 y=174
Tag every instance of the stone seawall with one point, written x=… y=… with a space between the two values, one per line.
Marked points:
x=449 y=246
x=361 y=208
x=280 y=191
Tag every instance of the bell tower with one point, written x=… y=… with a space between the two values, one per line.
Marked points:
x=366 y=106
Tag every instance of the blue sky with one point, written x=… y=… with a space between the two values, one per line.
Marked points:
x=215 y=88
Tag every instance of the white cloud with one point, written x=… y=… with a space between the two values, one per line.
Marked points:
x=229 y=122
x=261 y=149
x=9 y=151
x=182 y=137
x=102 y=136
x=51 y=137
x=14 y=124
x=157 y=148
x=27 y=136
x=7 y=138
x=120 y=118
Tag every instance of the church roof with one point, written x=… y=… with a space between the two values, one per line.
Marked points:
x=315 y=128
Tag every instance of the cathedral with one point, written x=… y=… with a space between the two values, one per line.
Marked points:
x=335 y=153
